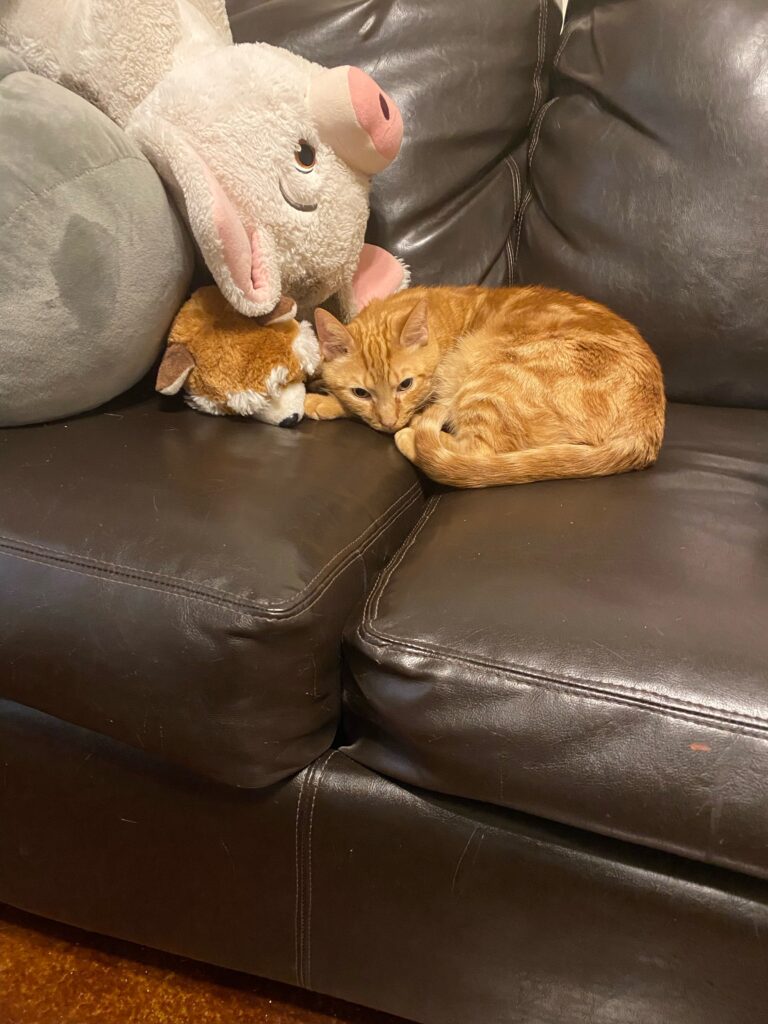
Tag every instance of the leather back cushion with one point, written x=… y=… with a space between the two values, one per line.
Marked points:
x=649 y=184
x=468 y=77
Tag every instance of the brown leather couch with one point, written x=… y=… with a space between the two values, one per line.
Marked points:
x=533 y=787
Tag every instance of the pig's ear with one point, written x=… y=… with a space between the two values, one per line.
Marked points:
x=176 y=365
x=378 y=274
x=215 y=12
x=243 y=264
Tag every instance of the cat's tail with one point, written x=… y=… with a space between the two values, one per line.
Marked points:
x=442 y=459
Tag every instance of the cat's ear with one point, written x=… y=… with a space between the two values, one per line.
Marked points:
x=415 y=332
x=334 y=338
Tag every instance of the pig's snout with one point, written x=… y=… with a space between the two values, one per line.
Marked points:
x=356 y=118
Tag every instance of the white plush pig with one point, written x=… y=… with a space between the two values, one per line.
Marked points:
x=269 y=155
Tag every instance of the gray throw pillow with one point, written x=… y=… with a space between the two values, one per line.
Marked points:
x=94 y=260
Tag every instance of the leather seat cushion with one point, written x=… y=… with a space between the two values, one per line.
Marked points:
x=180 y=582
x=594 y=652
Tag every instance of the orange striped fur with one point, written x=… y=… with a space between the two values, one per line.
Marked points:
x=496 y=386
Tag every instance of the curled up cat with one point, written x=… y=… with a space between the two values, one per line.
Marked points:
x=491 y=386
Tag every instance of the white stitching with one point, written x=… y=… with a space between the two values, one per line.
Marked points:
x=407 y=543
x=94 y=562
x=529 y=190
x=526 y=675
x=528 y=678
x=53 y=559
x=299 y=910
x=511 y=163
x=518 y=228
x=561 y=47
x=541 y=37
x=307 y=975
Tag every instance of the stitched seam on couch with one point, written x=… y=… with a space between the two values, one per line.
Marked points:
x=32 y=548
x=305 y=814
x=510 y=248
x=517 y=189
x=165 y=577
x=718 y=718
x=541 y=43
x=184 y=588
x=670 y=707
x=529 y=190
x=372 y=601
x=68 y=181
x=564 y=42
x=518 y=227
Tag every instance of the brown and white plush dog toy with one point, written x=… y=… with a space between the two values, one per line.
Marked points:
x=230 y=364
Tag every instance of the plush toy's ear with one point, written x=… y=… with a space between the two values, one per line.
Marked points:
x=378 y=275
x=334 y=338
x=244 y=265
x=284 y=310
x=415 y=332
x=177 y=364
x=215 y=13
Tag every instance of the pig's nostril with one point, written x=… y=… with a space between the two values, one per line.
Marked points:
x=355 y=117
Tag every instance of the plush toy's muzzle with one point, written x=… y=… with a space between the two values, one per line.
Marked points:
x=359 y=121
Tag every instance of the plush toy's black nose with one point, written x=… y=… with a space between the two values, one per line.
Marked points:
x=290 y=421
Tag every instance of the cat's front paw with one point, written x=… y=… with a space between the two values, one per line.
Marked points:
x=405 y=440
x=322 y=407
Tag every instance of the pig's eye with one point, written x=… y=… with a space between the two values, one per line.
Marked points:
x=305 y=156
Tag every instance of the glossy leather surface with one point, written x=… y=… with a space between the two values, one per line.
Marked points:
x=588 y=651
x=592 y=652
x=101 y=835
x=441 y=910
x=180 y=581
x=468 y=78
x=648 y=186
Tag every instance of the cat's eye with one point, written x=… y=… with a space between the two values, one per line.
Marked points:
x=405 y=384
x=361 y=393
x=305 y=156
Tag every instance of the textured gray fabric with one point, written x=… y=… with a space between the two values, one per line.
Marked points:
x=94 y=261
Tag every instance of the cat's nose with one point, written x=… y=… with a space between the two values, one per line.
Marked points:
x=356 y=118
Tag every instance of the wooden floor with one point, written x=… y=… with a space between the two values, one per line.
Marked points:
x=50 y=974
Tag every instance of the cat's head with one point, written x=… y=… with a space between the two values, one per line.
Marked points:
x=381 y=366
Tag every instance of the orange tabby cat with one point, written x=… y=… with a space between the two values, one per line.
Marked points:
x=485 y=386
